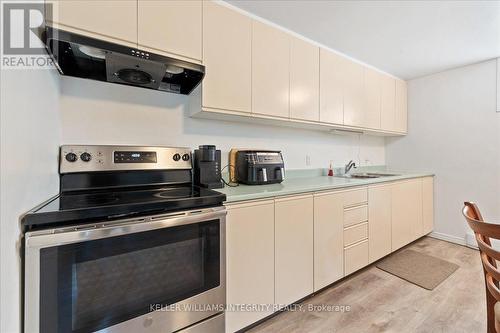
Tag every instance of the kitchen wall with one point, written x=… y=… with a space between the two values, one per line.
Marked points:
x=100 y=113
x=41 y=110
x=30 y=135
x=454 y=131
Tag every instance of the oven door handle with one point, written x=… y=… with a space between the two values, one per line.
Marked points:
x=57 y=237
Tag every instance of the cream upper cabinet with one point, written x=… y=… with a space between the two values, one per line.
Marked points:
x=111 y=20
x=293 y=248
x=353 y=88
x=401 y=122
x=249 y=260
x=380 y=215
x=372 y=98
x=428 y=204
x=227 y=52
x=388 y=103
x=259 y=73
x=270 y=71
x=331 y=109
x=172 y=27
x=304 y=80
x=406 y=219
x=328 y=239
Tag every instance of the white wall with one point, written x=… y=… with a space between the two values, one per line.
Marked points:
x=498 y=84
x=100 y=113
x=30 y=134
x=454 y=131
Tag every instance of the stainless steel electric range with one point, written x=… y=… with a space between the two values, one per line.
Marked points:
x=128 y=245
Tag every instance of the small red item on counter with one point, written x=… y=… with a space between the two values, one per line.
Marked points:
x=330 y=170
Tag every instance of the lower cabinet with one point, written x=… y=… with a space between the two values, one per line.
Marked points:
x=340 y=224
x=356 y=224
x=281 y=250
x=249 y=260
x=328 y=239
x=380 y=213
x=406 y=217
x=293 y=248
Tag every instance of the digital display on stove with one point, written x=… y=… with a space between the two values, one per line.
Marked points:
x=134 y=157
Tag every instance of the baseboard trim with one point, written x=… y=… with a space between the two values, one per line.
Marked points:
x=448 y=238
x=471 y=242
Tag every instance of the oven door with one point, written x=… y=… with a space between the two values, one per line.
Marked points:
x=156 y=274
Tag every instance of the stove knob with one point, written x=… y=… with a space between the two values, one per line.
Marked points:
x=185 y=157
x=71 y=157
x=177 y=157
x=86 y=157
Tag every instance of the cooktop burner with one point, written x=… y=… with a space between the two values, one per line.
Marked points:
x=90 y=200
x=174 y=193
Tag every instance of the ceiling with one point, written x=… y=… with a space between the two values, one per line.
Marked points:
x=408 y=39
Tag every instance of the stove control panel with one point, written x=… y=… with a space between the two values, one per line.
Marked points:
x=78 y=158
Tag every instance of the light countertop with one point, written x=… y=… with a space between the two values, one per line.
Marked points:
x=306 y=181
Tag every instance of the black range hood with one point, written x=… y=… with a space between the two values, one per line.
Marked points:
x=95 y=59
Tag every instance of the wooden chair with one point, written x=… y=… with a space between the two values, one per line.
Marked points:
x=484 y=231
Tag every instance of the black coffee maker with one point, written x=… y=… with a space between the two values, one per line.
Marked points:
x=207 y=169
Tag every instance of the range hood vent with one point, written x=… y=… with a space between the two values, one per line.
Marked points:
x=89 y=58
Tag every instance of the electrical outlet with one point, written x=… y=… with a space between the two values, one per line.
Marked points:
x=308 y=160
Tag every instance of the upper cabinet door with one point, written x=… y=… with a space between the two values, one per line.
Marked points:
x=227 y=51
x=372 y=95
x=401 y=106
x=110 y=20
x=388 y=104
x=353 y=78
x=331 y=100
x=304 y=80
x=172 y=27
x=270 y=71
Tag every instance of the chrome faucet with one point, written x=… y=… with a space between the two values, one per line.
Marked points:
x=349 y=166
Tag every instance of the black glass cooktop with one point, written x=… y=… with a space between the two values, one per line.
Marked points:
x=84 y=206
x=96 y=199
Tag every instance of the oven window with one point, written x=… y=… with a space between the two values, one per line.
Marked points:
x=92 y=285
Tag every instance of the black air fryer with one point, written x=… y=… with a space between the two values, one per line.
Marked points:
x=207 y=172
x=259 y=167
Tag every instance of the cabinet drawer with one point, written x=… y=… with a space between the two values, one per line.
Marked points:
x=355 y=233
x=355 y=215
x=355 y=197
x=355 y=257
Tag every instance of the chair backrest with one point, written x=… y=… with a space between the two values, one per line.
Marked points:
x=483 y=232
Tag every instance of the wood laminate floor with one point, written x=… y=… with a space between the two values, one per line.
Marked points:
x=381 y=302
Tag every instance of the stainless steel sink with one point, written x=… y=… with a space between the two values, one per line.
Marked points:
x=367 y=175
